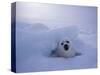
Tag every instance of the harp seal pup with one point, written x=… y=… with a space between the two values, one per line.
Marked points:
x=65 y=49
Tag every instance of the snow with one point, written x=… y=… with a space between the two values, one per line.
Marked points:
x=33 y=47
x=39 y=27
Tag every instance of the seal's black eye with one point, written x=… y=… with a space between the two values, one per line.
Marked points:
x=67 y=41
x=61 y=43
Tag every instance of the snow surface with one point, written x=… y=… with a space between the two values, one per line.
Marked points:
x=40 y=26
x=34 y=43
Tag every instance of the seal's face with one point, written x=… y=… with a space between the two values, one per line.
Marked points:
x=65 y=48
x=65 y=45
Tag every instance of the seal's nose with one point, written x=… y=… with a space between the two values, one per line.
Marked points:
x=66 y=47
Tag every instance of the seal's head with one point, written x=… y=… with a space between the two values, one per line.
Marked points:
x=65 y=48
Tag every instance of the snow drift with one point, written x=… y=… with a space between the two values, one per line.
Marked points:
x=35 y=42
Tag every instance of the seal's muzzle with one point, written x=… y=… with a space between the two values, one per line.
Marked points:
x=66 y=47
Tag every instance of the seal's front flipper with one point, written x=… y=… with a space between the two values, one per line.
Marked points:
x=53 y=53
x=78 y=54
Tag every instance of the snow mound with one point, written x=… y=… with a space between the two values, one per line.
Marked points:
x=36 y=27
x=33 y=48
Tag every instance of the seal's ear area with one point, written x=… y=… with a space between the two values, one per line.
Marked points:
x=78 y=54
